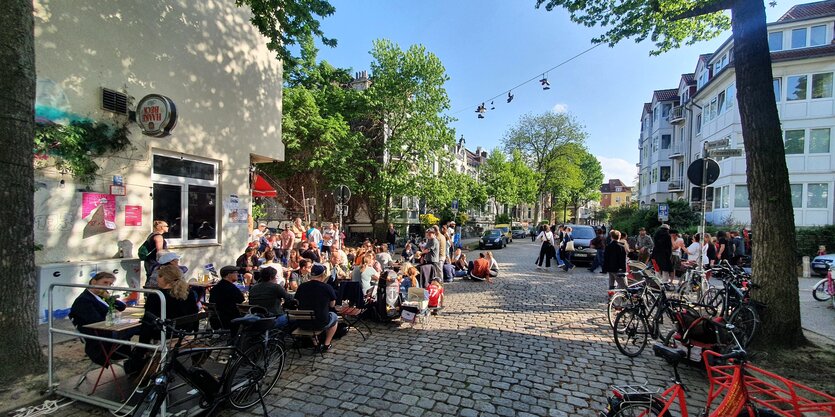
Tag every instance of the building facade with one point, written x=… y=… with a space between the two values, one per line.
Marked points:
x=803 y=64
x=614 y=194
x=215 y=68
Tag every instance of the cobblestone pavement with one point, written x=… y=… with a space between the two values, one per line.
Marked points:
x=534 y=343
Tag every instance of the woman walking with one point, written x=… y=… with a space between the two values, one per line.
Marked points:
x=546 y=249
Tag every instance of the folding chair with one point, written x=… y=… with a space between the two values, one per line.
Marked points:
x=299 y=318
x=352 y=314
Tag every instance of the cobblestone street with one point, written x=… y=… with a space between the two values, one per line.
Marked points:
x=535 y=343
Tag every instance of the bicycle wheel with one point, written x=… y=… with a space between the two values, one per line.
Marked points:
x=713 y=297
x=150 y=402
x=819 y=291
x=243 y=381
x=745 y=320
x=619 y=301
x=638 y=409
x=275 y=366
x=631 y=332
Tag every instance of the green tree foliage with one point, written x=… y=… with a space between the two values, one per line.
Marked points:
x=405 y=106
x=544 y=142
x=578 y=178
x=287 y=22
x=669 y=23
x=509 y=181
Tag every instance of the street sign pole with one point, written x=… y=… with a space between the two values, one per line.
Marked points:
x=704 y=208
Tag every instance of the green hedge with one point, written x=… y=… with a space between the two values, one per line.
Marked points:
x=809 y=238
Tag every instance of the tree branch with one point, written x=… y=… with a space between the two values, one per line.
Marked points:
x=709 y=8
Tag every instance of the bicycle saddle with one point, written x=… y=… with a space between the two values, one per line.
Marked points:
x=671 y=355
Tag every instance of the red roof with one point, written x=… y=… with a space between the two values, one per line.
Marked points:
x=647 y=107
x=803 y=53
x=666 y=95
x=610 y=186
x=809 y=11
x=689 y=78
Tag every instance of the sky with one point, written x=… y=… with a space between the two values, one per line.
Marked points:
x=491 y=46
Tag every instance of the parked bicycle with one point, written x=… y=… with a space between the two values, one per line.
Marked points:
x=733 y=300
x=824 y=290
x=744 y=390
x=254 y=362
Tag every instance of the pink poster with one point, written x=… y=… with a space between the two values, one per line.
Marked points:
x=91 y=201
x=133 y=215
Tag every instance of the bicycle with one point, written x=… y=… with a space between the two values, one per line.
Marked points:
x=824 y=290
x=733 y=301
x=745 y=395
x=619 y=298
x=635 y=324
x=253 y=367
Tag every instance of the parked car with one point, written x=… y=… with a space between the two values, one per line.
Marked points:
x=518 y=233
x=582 y=235
x=821 y=263
x=493 y=238
x=505 y=228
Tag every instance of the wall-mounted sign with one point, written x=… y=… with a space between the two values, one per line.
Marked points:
x=156 y=115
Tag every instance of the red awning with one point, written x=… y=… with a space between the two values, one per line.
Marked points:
x=262 y=188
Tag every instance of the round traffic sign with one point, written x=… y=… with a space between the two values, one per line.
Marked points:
x=342 y=194
x=696 y=172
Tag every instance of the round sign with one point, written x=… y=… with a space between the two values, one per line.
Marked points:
x=342 y=194
x=696 y=172
x=156 y=115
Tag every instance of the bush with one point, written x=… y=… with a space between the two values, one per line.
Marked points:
x=502 y=219
x=809 y=238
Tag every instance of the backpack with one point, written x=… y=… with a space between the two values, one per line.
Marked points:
x=145 y=250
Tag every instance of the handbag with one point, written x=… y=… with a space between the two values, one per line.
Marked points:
x=569 y=246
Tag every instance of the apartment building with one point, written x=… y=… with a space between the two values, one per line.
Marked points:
x=655 y=146
x=803 y=64
x=615 y=194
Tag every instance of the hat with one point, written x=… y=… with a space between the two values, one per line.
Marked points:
x=665 y=226
x=167 y=257
x=228 y=269
x=317 y=270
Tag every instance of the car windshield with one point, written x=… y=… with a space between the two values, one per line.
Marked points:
x=504 y=229
x=492 y=233
x=583 y=233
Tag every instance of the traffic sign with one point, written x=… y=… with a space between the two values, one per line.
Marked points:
x=720 y=143
x=663 y=212
x=342 y=194
x=724 y=153
x=696 y=172
x=455 y=204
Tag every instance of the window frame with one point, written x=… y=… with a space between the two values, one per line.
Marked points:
x=805 y=32
x=828 y=140
x=805 y=78
x=802 y=141
x=812 y=35
x=746 y=203
x=183 y=183
x=818 y=76
x=824 y=196
x=778 y=47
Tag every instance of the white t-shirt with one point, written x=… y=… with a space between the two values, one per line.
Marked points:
x=279 y=276
x=315 y=236
x=546 y=237
x=328 y=233
x=256 y=235
x=679 y=243
x=693 y=253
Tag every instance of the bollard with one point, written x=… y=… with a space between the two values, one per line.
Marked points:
x=807 y=270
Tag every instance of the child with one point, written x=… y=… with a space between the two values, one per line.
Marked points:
x=436 y=295
x=821 y=250
x=409 y=279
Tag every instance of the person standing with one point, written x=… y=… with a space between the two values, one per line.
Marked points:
x=567 y=247
x=327 y=241
x=662 y=252
x=430 y=251
x=643 y=243
x=614 y=260
x=391 y=238
x=154 y=244
x=298 y=232
x=288 y=240
x=314 y=236
x=739 y=248
x=546 y=248
x=599 y=244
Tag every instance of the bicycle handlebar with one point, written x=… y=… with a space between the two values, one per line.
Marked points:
x=168 y=325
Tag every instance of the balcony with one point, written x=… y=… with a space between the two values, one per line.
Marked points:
x=675 y=185
x=676 y=151
x=676 y=115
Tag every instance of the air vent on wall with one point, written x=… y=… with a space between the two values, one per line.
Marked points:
x=114 y=101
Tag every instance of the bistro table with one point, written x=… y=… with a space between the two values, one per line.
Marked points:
x=103 y=328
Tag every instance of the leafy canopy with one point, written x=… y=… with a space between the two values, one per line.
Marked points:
x=660 y=21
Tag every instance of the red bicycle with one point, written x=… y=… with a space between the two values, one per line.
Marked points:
x=746 y=391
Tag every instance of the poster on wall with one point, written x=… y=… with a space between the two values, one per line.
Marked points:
x=234 y=213
x=133 y=215
x=99 y=210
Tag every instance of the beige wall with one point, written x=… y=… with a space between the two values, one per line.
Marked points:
x=207 y=57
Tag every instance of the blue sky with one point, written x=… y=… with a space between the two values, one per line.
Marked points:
x=490 y=46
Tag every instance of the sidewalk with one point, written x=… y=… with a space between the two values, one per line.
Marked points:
x=815 y=316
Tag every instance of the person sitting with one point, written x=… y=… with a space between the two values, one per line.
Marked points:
x=365 y=273
x=408 y=253
x=460 y=265
x=226 y=296
x=310 y=251
x=270 y=263
x=247 y=263
x=408 y=279
x=339 y=270
x=92 y=306
x=269 y=294
x=301 y=275
x=319 y=297
x=436 y=295
x=384 y=257
x=481 y=270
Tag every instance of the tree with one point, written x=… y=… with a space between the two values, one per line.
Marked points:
x=669 y=23
x=542 y=141
x=405 y=105
x=19 y=286
x=509 y=182
x=587 y=175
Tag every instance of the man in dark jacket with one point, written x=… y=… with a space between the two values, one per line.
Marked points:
x=226 y=297
x=92 y=306
x=614 y=260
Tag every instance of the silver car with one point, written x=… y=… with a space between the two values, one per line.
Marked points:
x=822 y=263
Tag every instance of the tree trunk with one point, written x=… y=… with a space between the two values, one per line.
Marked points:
x=772 y=216
x=536 y=208
x=19 y=285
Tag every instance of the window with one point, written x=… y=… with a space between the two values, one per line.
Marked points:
x=796 y=88
x=795 y=141
x=741 y=196
x=726 y=196
x=665 y=110
x=703 y=78
x=797 y=195
x=665 y=141
x=618 y=189
x=817 y=195
x=717 y=197
x=722 y=106
x=818 y=36
x=185 y=196
x=819 y=140
x=730 y=96
x=698 y=124
x=775 y=41
x=655 y=144
x=711 y=112
x=617 y=199
x=798 y=38
x=822 y=85
x=665 y=174
x=777 y=89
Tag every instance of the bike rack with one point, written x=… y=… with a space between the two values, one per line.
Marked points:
x=54 y=388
